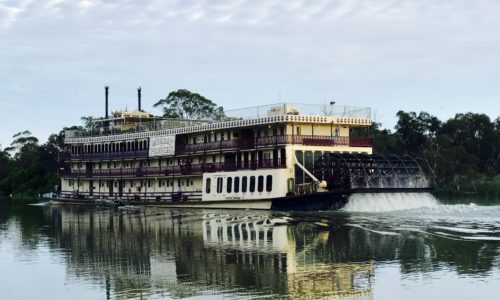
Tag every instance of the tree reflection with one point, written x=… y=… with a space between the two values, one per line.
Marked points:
x=180 y=253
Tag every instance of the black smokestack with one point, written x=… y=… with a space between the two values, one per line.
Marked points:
x=106 y=88
x=139 y=99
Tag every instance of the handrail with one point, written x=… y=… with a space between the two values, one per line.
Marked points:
x=316 y=180
x=249 y=143
x=167 y=171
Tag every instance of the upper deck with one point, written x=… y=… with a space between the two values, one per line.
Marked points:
x=248 y=117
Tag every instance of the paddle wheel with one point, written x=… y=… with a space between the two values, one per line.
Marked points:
x=371 y=173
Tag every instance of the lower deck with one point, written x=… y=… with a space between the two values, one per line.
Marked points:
x=312 y=202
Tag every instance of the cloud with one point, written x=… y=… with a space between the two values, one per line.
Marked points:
x=58 y=54
x=10 y=11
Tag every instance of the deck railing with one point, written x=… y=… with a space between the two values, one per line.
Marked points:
x=235 y=144
x=166 y=171
x=144 y=195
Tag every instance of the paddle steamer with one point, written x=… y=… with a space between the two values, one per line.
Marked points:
x=257 y=158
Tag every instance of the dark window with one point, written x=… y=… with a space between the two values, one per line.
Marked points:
x=317 y=156
x=252 y=184
x=244 y=181
x=229 y=184
x=207 y=185
x=269 y=183
x=236 y=184
x=299 y=174
x=260 y=185
x=219 y=185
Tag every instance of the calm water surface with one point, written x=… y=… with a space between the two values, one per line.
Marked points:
x=440 y=251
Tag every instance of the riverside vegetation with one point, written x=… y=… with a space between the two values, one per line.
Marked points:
x=464 y=152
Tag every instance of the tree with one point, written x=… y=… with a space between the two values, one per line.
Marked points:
x=188 y=105
x=22 y=139
x=416 y=131
x=89 y=123
x=5 y=166
x=32 y=168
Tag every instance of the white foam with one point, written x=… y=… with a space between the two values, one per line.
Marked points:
x=383 y=202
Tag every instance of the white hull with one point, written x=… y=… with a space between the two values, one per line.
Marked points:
x=226 y=204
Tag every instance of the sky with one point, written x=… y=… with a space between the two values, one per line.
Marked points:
x=56 y=56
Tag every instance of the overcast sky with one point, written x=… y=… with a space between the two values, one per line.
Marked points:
x=56 y=56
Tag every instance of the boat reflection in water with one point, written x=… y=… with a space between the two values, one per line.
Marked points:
x=185 y=253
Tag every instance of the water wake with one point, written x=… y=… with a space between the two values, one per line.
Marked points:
x=383 y=202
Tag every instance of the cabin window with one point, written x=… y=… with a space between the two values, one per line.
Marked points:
x=70 y=182
x=260 y=185
x=149 y=182
x=317 y=156
x=208 y=183
x=252 y=184
x=219 y=185
x=236 y=184
x=244 y=181
x=269 y=183
x=229 y=184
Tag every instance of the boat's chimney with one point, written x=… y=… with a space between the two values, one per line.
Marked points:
x=106 y=88
x=139 y=98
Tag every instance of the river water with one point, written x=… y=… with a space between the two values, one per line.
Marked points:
x=378 y=247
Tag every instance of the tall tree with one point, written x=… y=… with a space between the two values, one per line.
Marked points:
x=188 y=105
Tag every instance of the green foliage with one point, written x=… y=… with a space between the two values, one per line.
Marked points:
x=27 y=168
x=185 y=104
x=89 y=124
x=464 y=151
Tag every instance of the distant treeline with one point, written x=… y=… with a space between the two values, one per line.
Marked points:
x=464 y=153
x=28 y=168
